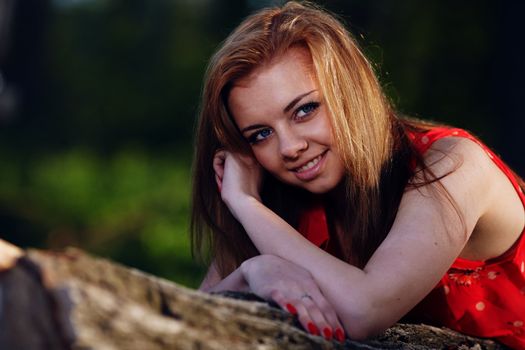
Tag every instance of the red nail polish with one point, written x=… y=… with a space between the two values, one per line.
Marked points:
x=291 y=309
x=339 y=334
x=312 y=328
x=327 y=332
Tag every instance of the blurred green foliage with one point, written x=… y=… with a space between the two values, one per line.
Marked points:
x=130 y=207
x=126 y=72
x=99 y=154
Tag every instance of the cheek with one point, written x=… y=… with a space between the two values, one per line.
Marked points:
x=266 y=158
x=323 y=130
x=340 y=170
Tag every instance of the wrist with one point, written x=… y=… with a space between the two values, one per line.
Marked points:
x=245 y=269
x=237 y=203
x=235 y=281
x=253 y=265
x=248 y=267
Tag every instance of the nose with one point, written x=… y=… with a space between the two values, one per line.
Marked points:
x=291 y=143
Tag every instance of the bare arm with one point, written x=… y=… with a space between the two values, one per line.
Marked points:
x=426 y=237
x=284 y=282
x=233 y=282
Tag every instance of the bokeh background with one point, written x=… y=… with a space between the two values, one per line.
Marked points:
x=98 y=100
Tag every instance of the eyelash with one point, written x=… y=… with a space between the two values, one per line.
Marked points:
x=312 y=106
x=252 y=139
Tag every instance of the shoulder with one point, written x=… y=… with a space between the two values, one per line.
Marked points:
x=483 y=187
x=461 y=167
x=465 y=156
x=458 y=145
x=482 y=192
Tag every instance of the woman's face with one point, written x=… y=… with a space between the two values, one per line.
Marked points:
x=281 y=113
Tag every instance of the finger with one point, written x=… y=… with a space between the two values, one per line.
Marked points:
x=283 y=302
x=340 y=334
x=305 y=319
x=308 y=314
x=333 y=321
x=329 y=315
x=317 y=317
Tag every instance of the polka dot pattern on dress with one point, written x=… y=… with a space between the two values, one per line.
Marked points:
x=491 y=275
x=480 y=306
x=482 y=298
x=446 y=289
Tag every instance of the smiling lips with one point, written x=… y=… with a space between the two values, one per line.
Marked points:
x=311 y=169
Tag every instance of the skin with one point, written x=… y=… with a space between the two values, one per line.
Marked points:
x=280 y=111
x=425 y=239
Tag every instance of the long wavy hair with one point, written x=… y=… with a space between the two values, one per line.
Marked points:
x=370 y=139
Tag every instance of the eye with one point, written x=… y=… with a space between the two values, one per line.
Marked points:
x=259 y=135
x=305 y=110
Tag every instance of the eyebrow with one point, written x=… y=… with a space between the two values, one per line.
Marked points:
x=295 y=100
x=285 y=110
x=252 y=127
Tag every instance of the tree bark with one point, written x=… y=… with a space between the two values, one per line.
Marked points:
x=70 y=300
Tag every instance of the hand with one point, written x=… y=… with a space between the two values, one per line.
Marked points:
x=236 y=175
x=294 y=289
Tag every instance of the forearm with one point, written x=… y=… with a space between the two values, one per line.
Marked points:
x=341 y=283
x=274 y=236
x=410 y=261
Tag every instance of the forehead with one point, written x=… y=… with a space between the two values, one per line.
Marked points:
x=271 y=87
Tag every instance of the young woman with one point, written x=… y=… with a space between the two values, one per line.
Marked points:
x=310 y=191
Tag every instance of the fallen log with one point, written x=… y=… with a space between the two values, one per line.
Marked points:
x=71 y=300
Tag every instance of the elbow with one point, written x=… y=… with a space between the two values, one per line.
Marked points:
x=364 y=321
x=359 y=329
x=361 y=332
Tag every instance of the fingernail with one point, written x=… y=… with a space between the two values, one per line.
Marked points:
x=312 y=328
x=339 y=334
x=291 y=309
x=327 y=332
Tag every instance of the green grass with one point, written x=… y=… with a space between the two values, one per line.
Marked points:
x=131 y=207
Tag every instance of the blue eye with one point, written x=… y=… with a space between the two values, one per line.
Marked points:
x=305 y=110
x=259 y=135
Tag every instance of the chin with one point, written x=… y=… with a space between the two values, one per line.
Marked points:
x=321 y=187
x=318 y=186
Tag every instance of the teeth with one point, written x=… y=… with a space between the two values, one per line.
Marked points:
x=309 y=165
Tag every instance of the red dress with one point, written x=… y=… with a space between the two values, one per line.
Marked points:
x=478 y=298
